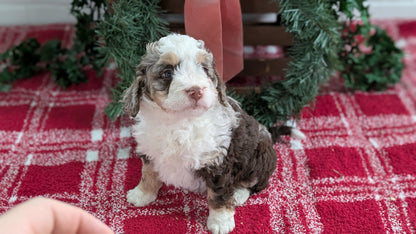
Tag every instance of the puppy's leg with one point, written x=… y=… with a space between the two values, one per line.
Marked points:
x=221 y=213
x=146 y=191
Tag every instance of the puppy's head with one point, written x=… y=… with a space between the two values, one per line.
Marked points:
x=178 y=74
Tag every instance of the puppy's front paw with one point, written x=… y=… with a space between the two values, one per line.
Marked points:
x=139 y=198
x=221 y=221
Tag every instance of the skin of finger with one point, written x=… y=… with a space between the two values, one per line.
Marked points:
x=42 y=215
x=26 y=218
x=76 y=220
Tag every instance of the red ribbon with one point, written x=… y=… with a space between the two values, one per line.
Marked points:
x=219 y=24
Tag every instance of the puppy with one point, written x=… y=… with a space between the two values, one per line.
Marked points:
x=191 y=135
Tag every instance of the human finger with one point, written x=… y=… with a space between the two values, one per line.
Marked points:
x=42 y=215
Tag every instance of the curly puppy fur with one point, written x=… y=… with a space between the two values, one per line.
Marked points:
x=191 y=135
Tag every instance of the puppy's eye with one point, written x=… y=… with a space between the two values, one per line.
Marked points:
x=167 y=74
x=206 y=69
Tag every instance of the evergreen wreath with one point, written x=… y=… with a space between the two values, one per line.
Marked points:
x=322 y=45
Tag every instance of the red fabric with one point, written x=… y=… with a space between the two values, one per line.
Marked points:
x=219 y=24
x=355 y=172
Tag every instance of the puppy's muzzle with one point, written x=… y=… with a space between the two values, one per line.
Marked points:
x=195 y=92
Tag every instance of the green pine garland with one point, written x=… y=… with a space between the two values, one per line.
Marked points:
x=65 y=64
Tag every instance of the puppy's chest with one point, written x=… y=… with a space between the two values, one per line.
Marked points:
x=177 y=151
x=177 y=141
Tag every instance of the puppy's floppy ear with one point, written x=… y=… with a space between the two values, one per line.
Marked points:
x=208 y=59
x=222 y=96
x=133 y=94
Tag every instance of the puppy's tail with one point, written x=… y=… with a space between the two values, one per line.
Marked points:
x=284 y=130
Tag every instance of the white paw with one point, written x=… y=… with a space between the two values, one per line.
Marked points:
x=138 y=198
x=240 y=196
x=221 y=222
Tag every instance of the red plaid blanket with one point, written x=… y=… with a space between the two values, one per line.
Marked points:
x=355 y=172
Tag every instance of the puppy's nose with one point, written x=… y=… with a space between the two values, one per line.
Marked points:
x=195 y=93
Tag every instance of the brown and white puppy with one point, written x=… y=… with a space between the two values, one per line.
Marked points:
x=191 y=135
